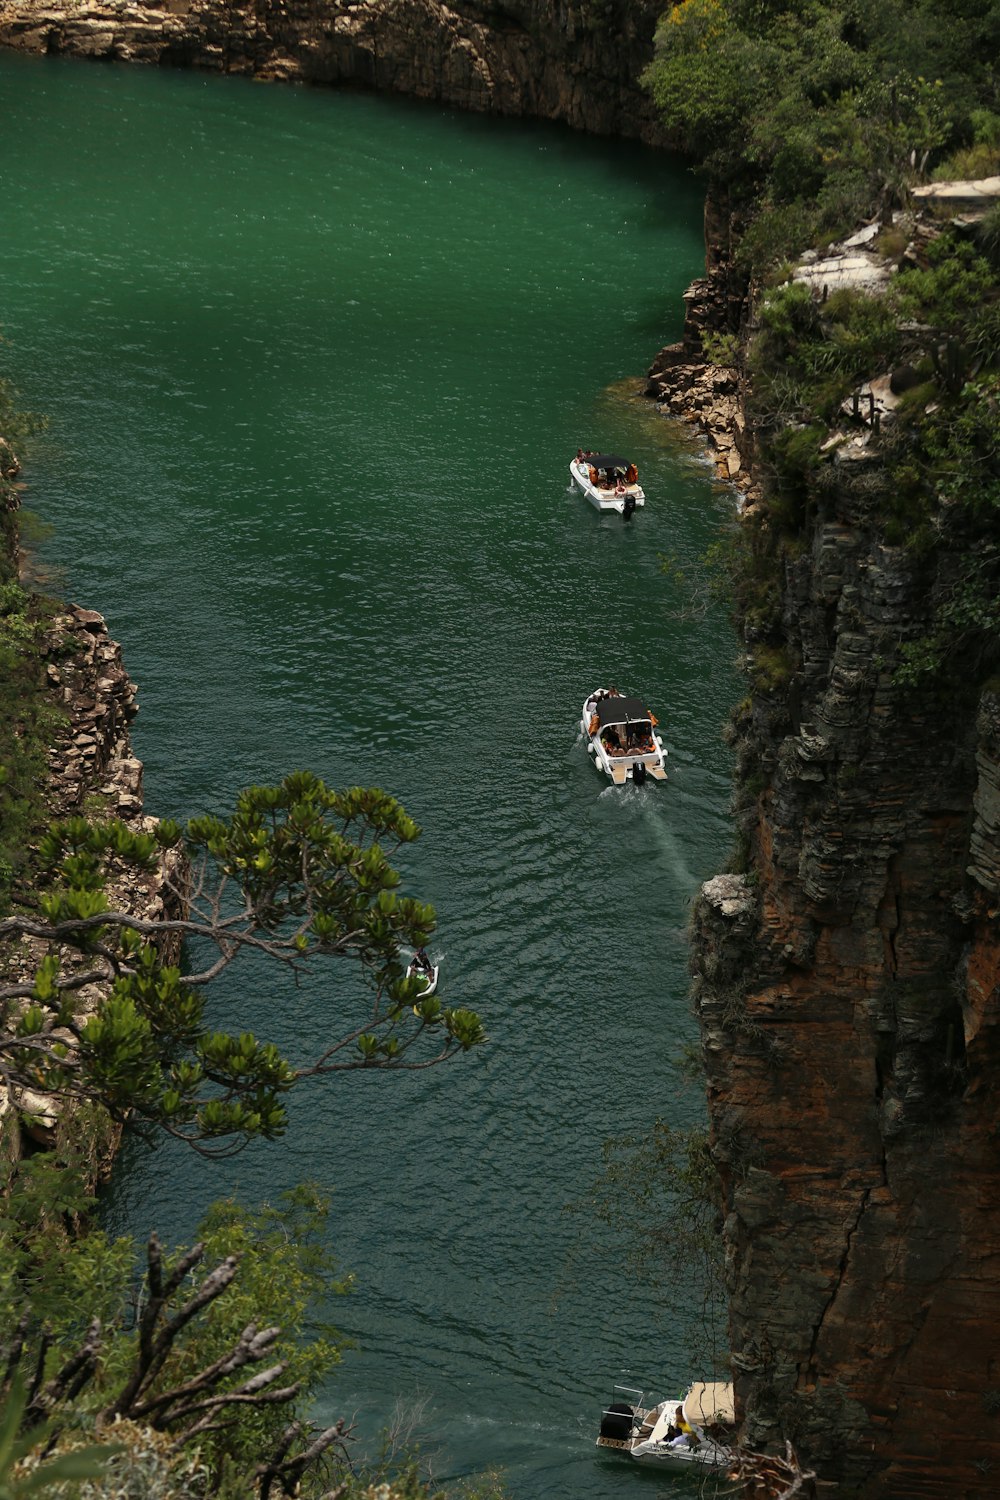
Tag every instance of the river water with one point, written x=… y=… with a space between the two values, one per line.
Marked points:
x=315 y=364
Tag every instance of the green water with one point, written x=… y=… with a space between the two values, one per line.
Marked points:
x=315 y=364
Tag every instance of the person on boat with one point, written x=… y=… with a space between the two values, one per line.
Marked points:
x=593 y=474
x=620 y=490
x=631 y=474
x=422 y=962
x=579 y=455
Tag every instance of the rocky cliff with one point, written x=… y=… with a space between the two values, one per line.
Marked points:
x=848 y=989
x=573 y=60
x=92 y=771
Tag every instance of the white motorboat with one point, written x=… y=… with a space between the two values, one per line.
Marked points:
x=609 y=482
x=421 y=967
x=694 y=1432
x=621 y=736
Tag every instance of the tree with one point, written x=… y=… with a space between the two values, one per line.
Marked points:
x=207 y=1351
x=816 y=115
x=300 y=874
x=20 y=1478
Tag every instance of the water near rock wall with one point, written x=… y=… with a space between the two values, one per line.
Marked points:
x=315 y=364
x=576 y=62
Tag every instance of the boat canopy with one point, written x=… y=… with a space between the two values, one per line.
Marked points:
x=620 y=711
x=609 y=462
x=710 y=1401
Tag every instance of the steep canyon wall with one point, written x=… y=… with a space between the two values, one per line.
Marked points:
x=573 y=60
x=92 y=771
x=848 y=990
x=847 y=983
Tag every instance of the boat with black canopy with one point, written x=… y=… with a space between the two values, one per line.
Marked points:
x=621 y=736
x=608 y=481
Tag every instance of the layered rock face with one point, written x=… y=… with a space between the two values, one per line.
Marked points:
x=574 y=60
x=849 y=993
x=92 y=771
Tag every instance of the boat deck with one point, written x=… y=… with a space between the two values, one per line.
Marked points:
x=619 y=773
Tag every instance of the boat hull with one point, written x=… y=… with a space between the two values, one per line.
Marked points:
x=604 y=499
x=662 y=1456
x=414 y=973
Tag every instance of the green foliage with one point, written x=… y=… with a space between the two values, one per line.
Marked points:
x=407 y=1482
x=965 y=622
x=815 y=114
x=272 y=1281
x=979 y=159
x=29 y=721
x=807 y=358
x=708 y=76
x=988 y=236
x=795 y=453
x=27 y=1469
x=720 y=348
x=771 y=668
x=286 y=1278
x=746 y=572
x=949 y=289
x=300 y=874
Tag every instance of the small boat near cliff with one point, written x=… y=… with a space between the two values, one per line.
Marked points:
x=420 y=967
x=691 y=1433
x=609 y=482
x=621 y=736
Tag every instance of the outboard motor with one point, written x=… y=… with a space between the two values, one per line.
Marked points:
x=628 y=506
x=639 y=774
x=616 y=1422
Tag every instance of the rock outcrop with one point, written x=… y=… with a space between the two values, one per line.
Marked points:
x=575 y=60
x=848 y=989
x=696 y=380
x=92 y=771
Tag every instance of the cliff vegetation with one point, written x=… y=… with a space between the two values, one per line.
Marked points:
x=847 y=975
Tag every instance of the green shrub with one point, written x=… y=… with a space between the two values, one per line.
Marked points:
x=771 y=668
